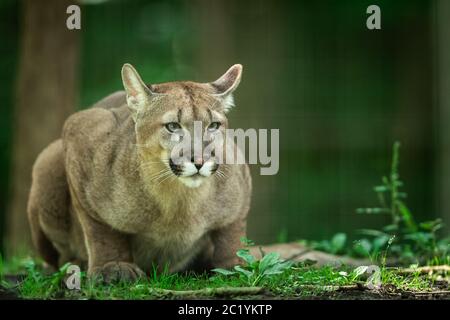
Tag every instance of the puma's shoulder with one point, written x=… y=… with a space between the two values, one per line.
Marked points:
x=95 y=141
x=97 y=134
x=112 y=101
x=98 y=122
x=89 y=126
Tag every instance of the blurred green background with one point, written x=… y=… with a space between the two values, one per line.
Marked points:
x=339 y=93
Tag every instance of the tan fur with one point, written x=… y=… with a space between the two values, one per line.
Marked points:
x=94 y=198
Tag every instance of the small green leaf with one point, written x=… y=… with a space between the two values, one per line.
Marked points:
x=372 y=232
x=268 y=260
x=245 y=255
x=390 y=228
x=224 y=272
x=363 y=247
x=382 y=188
x=406 y=214
x=247 y=242
x=372 y=210
x=398 y=183
x=278 y=268
x=432 y=226
x=338 y=242
x=245 y=272
x=380 y=242
x=420 y=237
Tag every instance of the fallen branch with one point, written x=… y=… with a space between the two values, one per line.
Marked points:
x=426 y=270
x=223 y=291
x=357 y=286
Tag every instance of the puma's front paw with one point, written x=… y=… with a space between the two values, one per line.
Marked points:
x=117 y=271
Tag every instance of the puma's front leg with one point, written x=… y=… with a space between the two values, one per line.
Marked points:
x=108 y=252
x=227 y=241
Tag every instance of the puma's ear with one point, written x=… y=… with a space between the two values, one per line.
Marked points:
x=226 y=84
x=138 y=94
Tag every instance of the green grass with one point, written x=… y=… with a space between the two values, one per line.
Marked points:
x=300 y=280
x=269 y=276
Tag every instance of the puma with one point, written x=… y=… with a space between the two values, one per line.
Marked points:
x=108 y=196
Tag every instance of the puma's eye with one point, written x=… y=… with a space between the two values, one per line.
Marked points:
x=172 y=126
x=214 y=126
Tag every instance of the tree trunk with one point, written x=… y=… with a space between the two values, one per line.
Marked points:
x=442 y=68
x=45 y=96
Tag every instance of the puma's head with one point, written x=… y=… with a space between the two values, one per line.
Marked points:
x=166 y=114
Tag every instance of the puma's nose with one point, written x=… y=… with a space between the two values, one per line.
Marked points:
x=198 y=162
